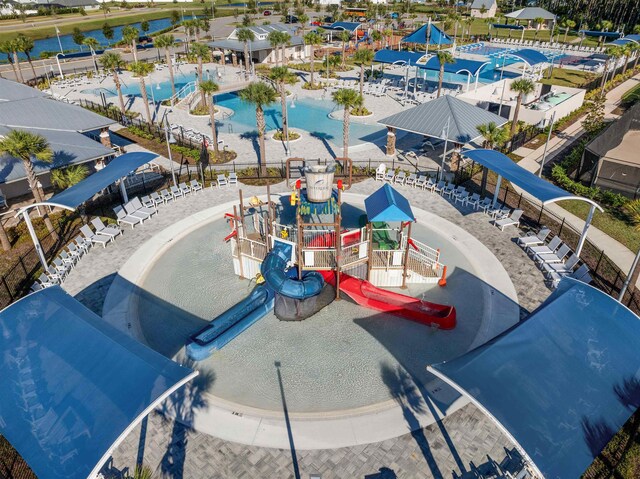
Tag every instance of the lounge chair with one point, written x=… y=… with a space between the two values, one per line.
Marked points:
x=103 y=229
x=561 y=268
x=61 y=268
x=68 y=259
x=166 y=196
x=473 y=200
x=556 y=257
x=439 y=187
x=95 y=238
x=380 y=172
x=485 y=205
x=400 y=178
x=123 y=217
x=448 y=190
x=148 y=202
x=137 y=204
x=135 y=212
x=175 y=192
x=581 y=274
x=83 y=243
x=45 y=281
x=233 y=179
x=553 y=245
x=411 y=180
x=184 y=188
x=75 y=251
x=389 y=175
x=157 y=199
x=534 y=239
x=195 y=186
x=513 y=219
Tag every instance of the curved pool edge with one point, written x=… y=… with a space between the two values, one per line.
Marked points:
x=357 y=426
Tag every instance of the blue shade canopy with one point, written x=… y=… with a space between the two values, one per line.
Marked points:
x=460 y=65
x=436 y=36
x=507 y=26
x=387 y=204
x=530 y=57
x=72 y=385
x=624 y=40
x=562 y=382
x=348 y=26
x=396 y=57
x=504 y=166
x=594 y=33
x=118 y=168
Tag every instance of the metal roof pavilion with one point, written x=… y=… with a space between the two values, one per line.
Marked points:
x=531 y=13
x=447 y=118
x=561 y=382
x=541 y=189
x=73 y=386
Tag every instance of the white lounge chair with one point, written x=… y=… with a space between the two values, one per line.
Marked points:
x=137 y=204
x=556 y=257
x=581 y=274
x=400 y=178
x=184 y=188
x=411 y=180
x=233 y=179
x=380 y=172
x=103 y=229
x=462 y=197
x=61 y=268
x=512 y=220
x=448 y=190
x=83 y=243
x=195 y=186
x=473 y=200
x=45 y=281
x=534 y=239
x=157 y=199
x=553 y=245
x=175 y=192
x=123 y=217
x=222 y=181
x=147 y=201
x=439 y=187
x=561 y=268
x=485 y=205
x=75 y=251
x=68 y=259
x=389 y=175
x=135 y=212
x=166 y=196
x=95 y=238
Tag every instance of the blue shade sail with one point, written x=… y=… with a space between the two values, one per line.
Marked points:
x=530 y=57
x=596 y=33
x=460 y=65
x=562 y=382
x=118 y=168
x=397 y=57
x=387 y=204
x=435 y=35
x=72 y=385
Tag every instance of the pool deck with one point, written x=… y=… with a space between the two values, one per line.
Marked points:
x=444 y=446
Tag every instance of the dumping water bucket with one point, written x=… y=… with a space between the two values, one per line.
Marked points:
x=319 y=182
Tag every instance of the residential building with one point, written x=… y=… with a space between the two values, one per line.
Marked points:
x=484 y=8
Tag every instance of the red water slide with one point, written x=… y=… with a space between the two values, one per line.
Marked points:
x=407 y=307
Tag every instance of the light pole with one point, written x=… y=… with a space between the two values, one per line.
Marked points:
x=170 y=141
x=546 y=145
x=59 y=42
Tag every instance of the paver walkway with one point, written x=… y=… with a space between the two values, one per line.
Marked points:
x=616 y=251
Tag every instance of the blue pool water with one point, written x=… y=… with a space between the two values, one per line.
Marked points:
x=155 y=91
x=304 y=114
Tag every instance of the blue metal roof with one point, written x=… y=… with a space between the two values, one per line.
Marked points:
x=396 y=57
x=387 y=204
x=118 y=168
x=624 y=40
x=507 y=26
x=508 y=169
x=459 y=65
x=594 y=33
x=436 y=36
x=72 y=385
x=349 y=26
x=530 y=56
x=562 y=382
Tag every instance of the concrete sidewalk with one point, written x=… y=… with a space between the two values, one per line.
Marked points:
x=616 y=251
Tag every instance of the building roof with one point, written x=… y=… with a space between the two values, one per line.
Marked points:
x=254 y=46
x=396 y=57
x=261 y=32
x=445 y=117
x=560 y=383
x=478 y=4
x=531 y=13
x=11 y=91
x=72 y=385
x=386 y=204
x=430 y=31
x=69 y=148
x=611 y=138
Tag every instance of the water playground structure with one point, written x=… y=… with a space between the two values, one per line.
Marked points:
x=303 y=263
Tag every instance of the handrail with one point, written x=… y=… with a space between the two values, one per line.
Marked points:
x=183 y=93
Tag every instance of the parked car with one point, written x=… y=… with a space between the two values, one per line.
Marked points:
x=291 y=19
x=266 y=13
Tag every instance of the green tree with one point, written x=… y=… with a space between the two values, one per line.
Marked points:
x=77 y=36
x=347 y=99
x=275 y=40
x=112 y=62
x=201 y=52
x=25 y=45
x=260 y=95
x=104 y=6
x=523 y=87
x=7 y=49
x=144 y=26
x=286 y=41
x=175 y=17
x=312 y=39
x=130 y=35
x=304 y=21
x=363 y=58
x=594 y=119
x=166 y=41
x=568 y=25
x=141 y=70
x=344 y=37
x=444 y=57
x=245 y=36
x=107 y=31
x=63 y=178
x=93 y=45
x=494 y=135
x=539 y=21
x=29 y=147
x=376 y=36
x=208 y=88
x=282 y=77
x=14 y=46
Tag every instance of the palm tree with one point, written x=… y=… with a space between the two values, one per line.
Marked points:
x=130 y=35
x=166 y=41
x=208 y=88
x=539 y=21
x=29 y=147
x=5 y=47
x=275 y=40
x=245 y=35
x=493 y=134
x=14 y=46
x=344 y=36
x=201 y=52
x=286 y=41
x=387 y=33
x=64 y=178
x=260 y=95
x=141 y=70
x=522 y=86
x=363 y=58
x=444 y=57
x=312 y=39
x=25 y=45
x=347 y=99
x=468 y=21
x=303 y=19
x=615 y=53
x=283 y=77
x=112 y=61
x=376 y=36
x=627 y=50
x=93 y=45
x=568 y=25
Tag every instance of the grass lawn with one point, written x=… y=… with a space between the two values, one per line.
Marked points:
x=570 y=78
x=607 y=223
x=632 y=96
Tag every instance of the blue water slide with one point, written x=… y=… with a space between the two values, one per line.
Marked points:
x=273 y=270
x=231 y=323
